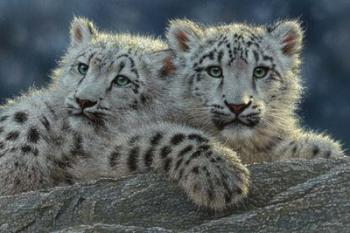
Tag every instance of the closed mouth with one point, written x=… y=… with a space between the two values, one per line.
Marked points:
x=95 y=118
x=249 y=122
x=237 y=122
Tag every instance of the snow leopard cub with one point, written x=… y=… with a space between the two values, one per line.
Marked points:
x=102 y=116
x=243 y=83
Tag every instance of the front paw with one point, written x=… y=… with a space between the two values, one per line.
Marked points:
x=318 y=146
x=218 y=182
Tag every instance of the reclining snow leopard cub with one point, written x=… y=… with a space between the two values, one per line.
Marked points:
x=243 y=83
x=102 y=117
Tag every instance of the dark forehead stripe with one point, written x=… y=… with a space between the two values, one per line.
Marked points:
x=239 y=45
x=121 y=66
x=261 y=55
x=230 y=52
x=222 y=39
x=132 y=62
x=256 y=55
x=252 y=42
x=267 y=58
x=84 y=54
x=220 y=55
x=236 y=47
x=209 y=55
x=105 y=58
x=135 y=72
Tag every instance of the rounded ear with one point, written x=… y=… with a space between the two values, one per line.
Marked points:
x=290 y=36
x=183 y=34
x=82 y=31
x=160 y=63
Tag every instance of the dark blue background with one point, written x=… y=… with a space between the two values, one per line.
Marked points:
x=34 y=34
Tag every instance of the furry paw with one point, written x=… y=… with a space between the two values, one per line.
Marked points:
x=311 y=146
x=217 y=182
x=323 y=147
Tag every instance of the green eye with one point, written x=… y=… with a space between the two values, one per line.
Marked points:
x=83 y=68
x=214 y=71
x=260 y=72
x=121 y=80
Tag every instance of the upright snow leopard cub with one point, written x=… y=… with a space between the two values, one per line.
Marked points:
x=242 y=82
x=102 y=117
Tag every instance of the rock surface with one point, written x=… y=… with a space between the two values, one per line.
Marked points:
x=294 y=196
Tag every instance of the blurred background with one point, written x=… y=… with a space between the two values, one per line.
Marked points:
x=34 y=34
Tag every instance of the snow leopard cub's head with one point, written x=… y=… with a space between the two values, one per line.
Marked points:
x=109 y=77
x=238 y=78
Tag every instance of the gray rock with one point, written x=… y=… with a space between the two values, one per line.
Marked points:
x=107 y=228
x=294 y=196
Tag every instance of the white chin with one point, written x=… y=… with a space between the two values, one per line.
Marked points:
x=237 y=132
x=79 y=124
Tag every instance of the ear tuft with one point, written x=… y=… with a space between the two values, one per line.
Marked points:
x=82 y=32
x=290 y=35
x=183 y=34
x=183 y=40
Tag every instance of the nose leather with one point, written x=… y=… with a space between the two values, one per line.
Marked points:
x=237 y=108
x=85 y=103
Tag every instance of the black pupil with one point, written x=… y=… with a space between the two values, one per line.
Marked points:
x=83 y=68
x=215 y=71
x=260 y=72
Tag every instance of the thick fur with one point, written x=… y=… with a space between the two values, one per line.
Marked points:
x=267 y=129
x=85 y=125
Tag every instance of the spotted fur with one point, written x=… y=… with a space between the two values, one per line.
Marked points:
x=255 y=116
x=88 y=124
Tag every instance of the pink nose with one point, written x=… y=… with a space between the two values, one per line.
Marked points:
x=237 y=108
x=85 y=103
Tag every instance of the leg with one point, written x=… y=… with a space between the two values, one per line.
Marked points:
x=211 y=175
x=309 y=146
